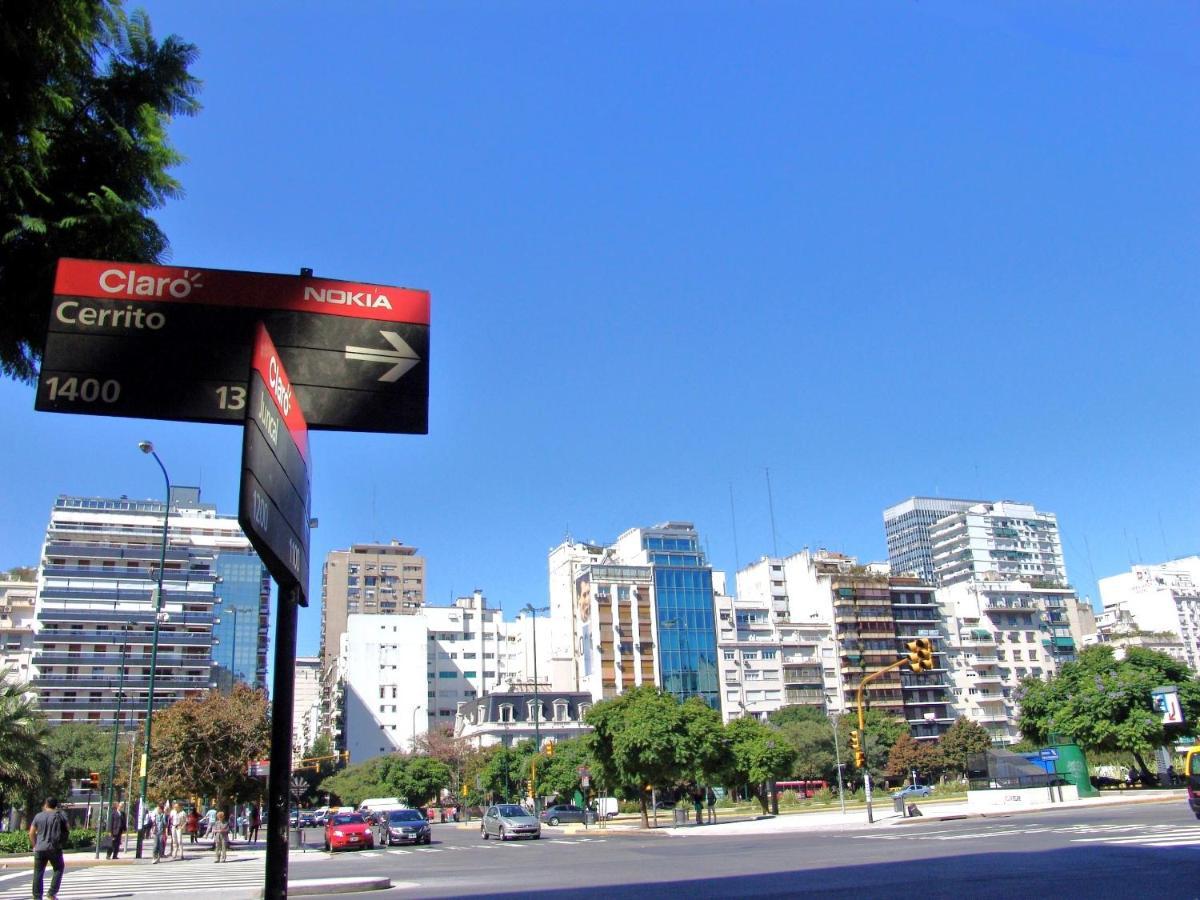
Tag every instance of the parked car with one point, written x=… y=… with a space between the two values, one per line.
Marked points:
x=307 y=819
x=320 y=814
x=346 y=830
x=407 y=826
x=509 y=821
x=914 y=790
x=564 y=812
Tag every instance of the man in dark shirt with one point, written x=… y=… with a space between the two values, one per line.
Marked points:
x=116 y=830
x=47 y=834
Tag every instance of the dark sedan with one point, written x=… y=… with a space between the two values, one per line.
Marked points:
x=407 y=826
x=564 y=812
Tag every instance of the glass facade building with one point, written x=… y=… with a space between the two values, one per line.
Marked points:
x=240 y=628
x=683 y=601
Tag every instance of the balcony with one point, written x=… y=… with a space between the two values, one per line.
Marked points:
x=980 y=662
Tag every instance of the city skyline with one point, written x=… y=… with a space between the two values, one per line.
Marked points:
x=962 y=271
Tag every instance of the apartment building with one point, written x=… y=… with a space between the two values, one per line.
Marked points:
x=998 y=541
x=1001 y=632
x=398 y=677
x=372 y=579
x=816 y=624
x=306 y=695
x=1156 y=602
x=95 y=606
x=907 y=525
x=17 y=601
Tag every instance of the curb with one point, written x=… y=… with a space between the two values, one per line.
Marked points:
x=312 y=887
x=1007 y=813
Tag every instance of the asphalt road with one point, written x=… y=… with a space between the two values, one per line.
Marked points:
x=1135 y=851
x=1138 y=851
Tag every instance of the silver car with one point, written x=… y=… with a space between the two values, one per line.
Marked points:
x=508 y=820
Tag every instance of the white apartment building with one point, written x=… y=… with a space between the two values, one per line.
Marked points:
x=398 y=676
x=17 y=600
x=307 y=693
x=998 y=541
x=1155 y=599
x=999 y=633
x=907 y=524
x=95 y=607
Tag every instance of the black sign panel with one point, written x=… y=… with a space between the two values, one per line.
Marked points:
x=355 y=368
x=273 y=508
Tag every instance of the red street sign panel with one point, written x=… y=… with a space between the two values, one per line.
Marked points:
x=171 y=342
x=274 y=508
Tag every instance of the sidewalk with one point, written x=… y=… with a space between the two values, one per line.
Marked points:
x=856 y=819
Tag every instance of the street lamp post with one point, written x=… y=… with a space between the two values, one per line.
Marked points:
x=537 y=707
x=414 y=725
x=147 y=447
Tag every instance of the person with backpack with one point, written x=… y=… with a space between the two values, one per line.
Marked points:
x=48 y=834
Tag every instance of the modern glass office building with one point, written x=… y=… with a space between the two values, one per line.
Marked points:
x=242 y=613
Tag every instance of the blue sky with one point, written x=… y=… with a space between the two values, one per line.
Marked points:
x=881 y=249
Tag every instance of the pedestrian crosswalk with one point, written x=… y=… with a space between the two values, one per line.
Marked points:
x=1139 y=834
x=197 y=877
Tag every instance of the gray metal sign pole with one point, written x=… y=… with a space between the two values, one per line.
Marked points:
x=283 y=690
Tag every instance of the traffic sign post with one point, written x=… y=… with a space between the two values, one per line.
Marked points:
x=164 y=342
x=274 y=513
x=210 y=345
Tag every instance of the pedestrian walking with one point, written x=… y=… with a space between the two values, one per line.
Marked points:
x=48 y=835
x=116 y=830
x=253 y=824
x=193 y=825
x=220 y=833
x=178 y=825
x=160 y=826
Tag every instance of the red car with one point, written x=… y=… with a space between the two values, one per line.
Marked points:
x=346 y=830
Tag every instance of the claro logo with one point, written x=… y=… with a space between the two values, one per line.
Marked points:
x=128 y=281
x=347 y=298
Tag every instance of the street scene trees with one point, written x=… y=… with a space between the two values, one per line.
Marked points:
x=1104 y=703
x=84 y=156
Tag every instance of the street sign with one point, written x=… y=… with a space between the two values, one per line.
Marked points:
x=276 y=469
x=165 y=342
x=1048 y=753
x=258 y=768
x=1166 y=701
x=298 y=787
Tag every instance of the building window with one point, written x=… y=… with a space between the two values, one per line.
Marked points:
x=506 y=712
x=535 y=711
x=560 y=710
x=728 y=654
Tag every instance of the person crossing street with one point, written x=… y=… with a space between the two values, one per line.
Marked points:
x=48 y=835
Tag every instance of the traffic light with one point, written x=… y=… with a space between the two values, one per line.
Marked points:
x=94 y=778
x=860 y=758
x=920 y=654
x=550 y=749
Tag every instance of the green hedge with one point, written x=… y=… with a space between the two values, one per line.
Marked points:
x=18 y=841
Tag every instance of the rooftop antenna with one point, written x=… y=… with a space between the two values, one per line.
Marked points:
x=771 y=507
x=733 y=520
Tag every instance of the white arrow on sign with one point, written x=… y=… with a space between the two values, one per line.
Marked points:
x=403 y=357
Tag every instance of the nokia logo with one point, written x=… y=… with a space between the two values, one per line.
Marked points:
x=347 y=298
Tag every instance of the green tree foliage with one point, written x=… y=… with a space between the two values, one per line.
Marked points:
x=440 y=743
x=647 y=737
x=962 y=739
x=86 y=95
x=417 y=780
x=76 y=750
x=356 y=783
x=815 y=752
x=558 y=775
x=204 y=747
x=882 y=730
x=757 y=754
x=25 y=767
x=497 y=774
x=908 y=754
x=20 y=573
x=1103 y=703
x=788 y=715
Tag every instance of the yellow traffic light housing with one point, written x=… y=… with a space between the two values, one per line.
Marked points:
x=94 y=778
x=550 y=749
x=860 y=758
x=920 y=655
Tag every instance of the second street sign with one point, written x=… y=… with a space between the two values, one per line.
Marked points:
x=276 y=470
x=175 y=343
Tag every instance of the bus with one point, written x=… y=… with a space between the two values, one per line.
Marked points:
x=805 y=789
x=1191 y=771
